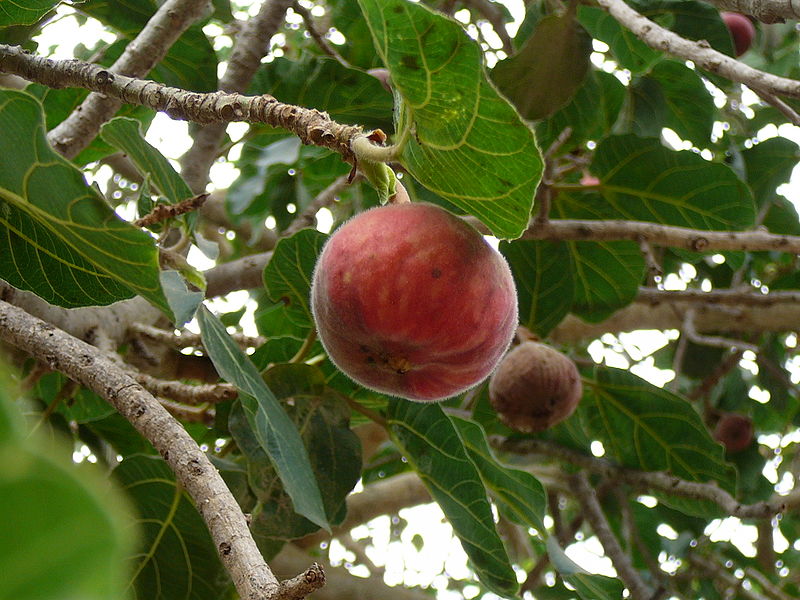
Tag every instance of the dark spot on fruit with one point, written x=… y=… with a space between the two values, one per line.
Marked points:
x=436 y=273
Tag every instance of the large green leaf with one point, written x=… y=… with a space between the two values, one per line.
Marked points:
x=348 y=95
x=521 y=496
x=177 y=557
x=644 y=181
x=322 y=417
x=768 y=164
x=431 y=443
x=58 y=236
x=664 y=432
x=287 y=275
x=545 y=73
x=273 y=428
x=627 y=49
x=126 y=135
x=27 y=12
x=466 y=142
x=544 y=274
x=672 y=95
x=67 y=533
x=190 y=63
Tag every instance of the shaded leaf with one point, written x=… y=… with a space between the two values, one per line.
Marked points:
x=66 y=531
x=547 y=70
x=177 y=557
x=521 y=496
x=322 y=417
x=431 y=443
x=666 y=433
x=768 y=164
x=672 y=95
x=273 y=428
x=630 y=52
x=588 y=586
x=288 y=274
x=590 y=115
x=467 y=143
x=544 y=276
x=58 y=236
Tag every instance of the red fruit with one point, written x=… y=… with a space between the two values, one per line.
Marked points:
x=734 y=431
x=411 y=301
x=535 y=387
x=742 y=31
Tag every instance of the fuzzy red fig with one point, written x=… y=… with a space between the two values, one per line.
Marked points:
x=411 y=301
x=742 y=31
x=535 y=387
x=734 y=431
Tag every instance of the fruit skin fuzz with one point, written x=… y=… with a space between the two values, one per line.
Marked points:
x=412 y=302
x=535 y=387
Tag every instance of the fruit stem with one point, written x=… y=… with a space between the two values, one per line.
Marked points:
x=306 y=347
x=364 y=149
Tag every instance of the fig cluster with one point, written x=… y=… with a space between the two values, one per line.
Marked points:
x=535 y=387
x=409 y=300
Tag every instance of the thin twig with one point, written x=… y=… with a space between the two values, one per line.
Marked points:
x=162 y=212
x=323 y=44
x=324 y=199
x=713 y=340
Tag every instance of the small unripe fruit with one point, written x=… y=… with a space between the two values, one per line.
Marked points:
x=535 y=387
x=742 y=31
x=734 y=431
x=411 y=301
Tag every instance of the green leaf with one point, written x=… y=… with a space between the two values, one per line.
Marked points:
x=546 y=72
x=182 y=302
x=273 y=428
x=665 y=432
x=431 y=443
x=544 y=275
x=67 y=531
x=348 y=95
x=126 y=135
x=590 y=115
x=27 y=12
x=466 y=143
x=190 y=63
x=769 y=164
x=58 y=237
x=627 y=49
x=177 y=557
x=287 y=275
x=644 y=181
x=672 y=95
x=521 y=496
x=322 y=417
x=588 y=586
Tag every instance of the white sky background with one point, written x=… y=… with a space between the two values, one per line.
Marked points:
x=403 y=563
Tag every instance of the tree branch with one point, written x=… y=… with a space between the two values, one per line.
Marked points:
x=310 y=125
x=90 y=367
x=143 y=53
x=646 y=480
x=587 y=498
x=700 y=52
x=252 y=44
x=766 y=11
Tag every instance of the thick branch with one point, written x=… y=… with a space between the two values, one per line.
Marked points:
x=766 y=11
x=90 y=367
x=310 y=125
x=252 y=44
x=700 y=52
x=143 y=53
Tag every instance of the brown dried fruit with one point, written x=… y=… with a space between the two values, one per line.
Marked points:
x=535 y=387
x=734 y=431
